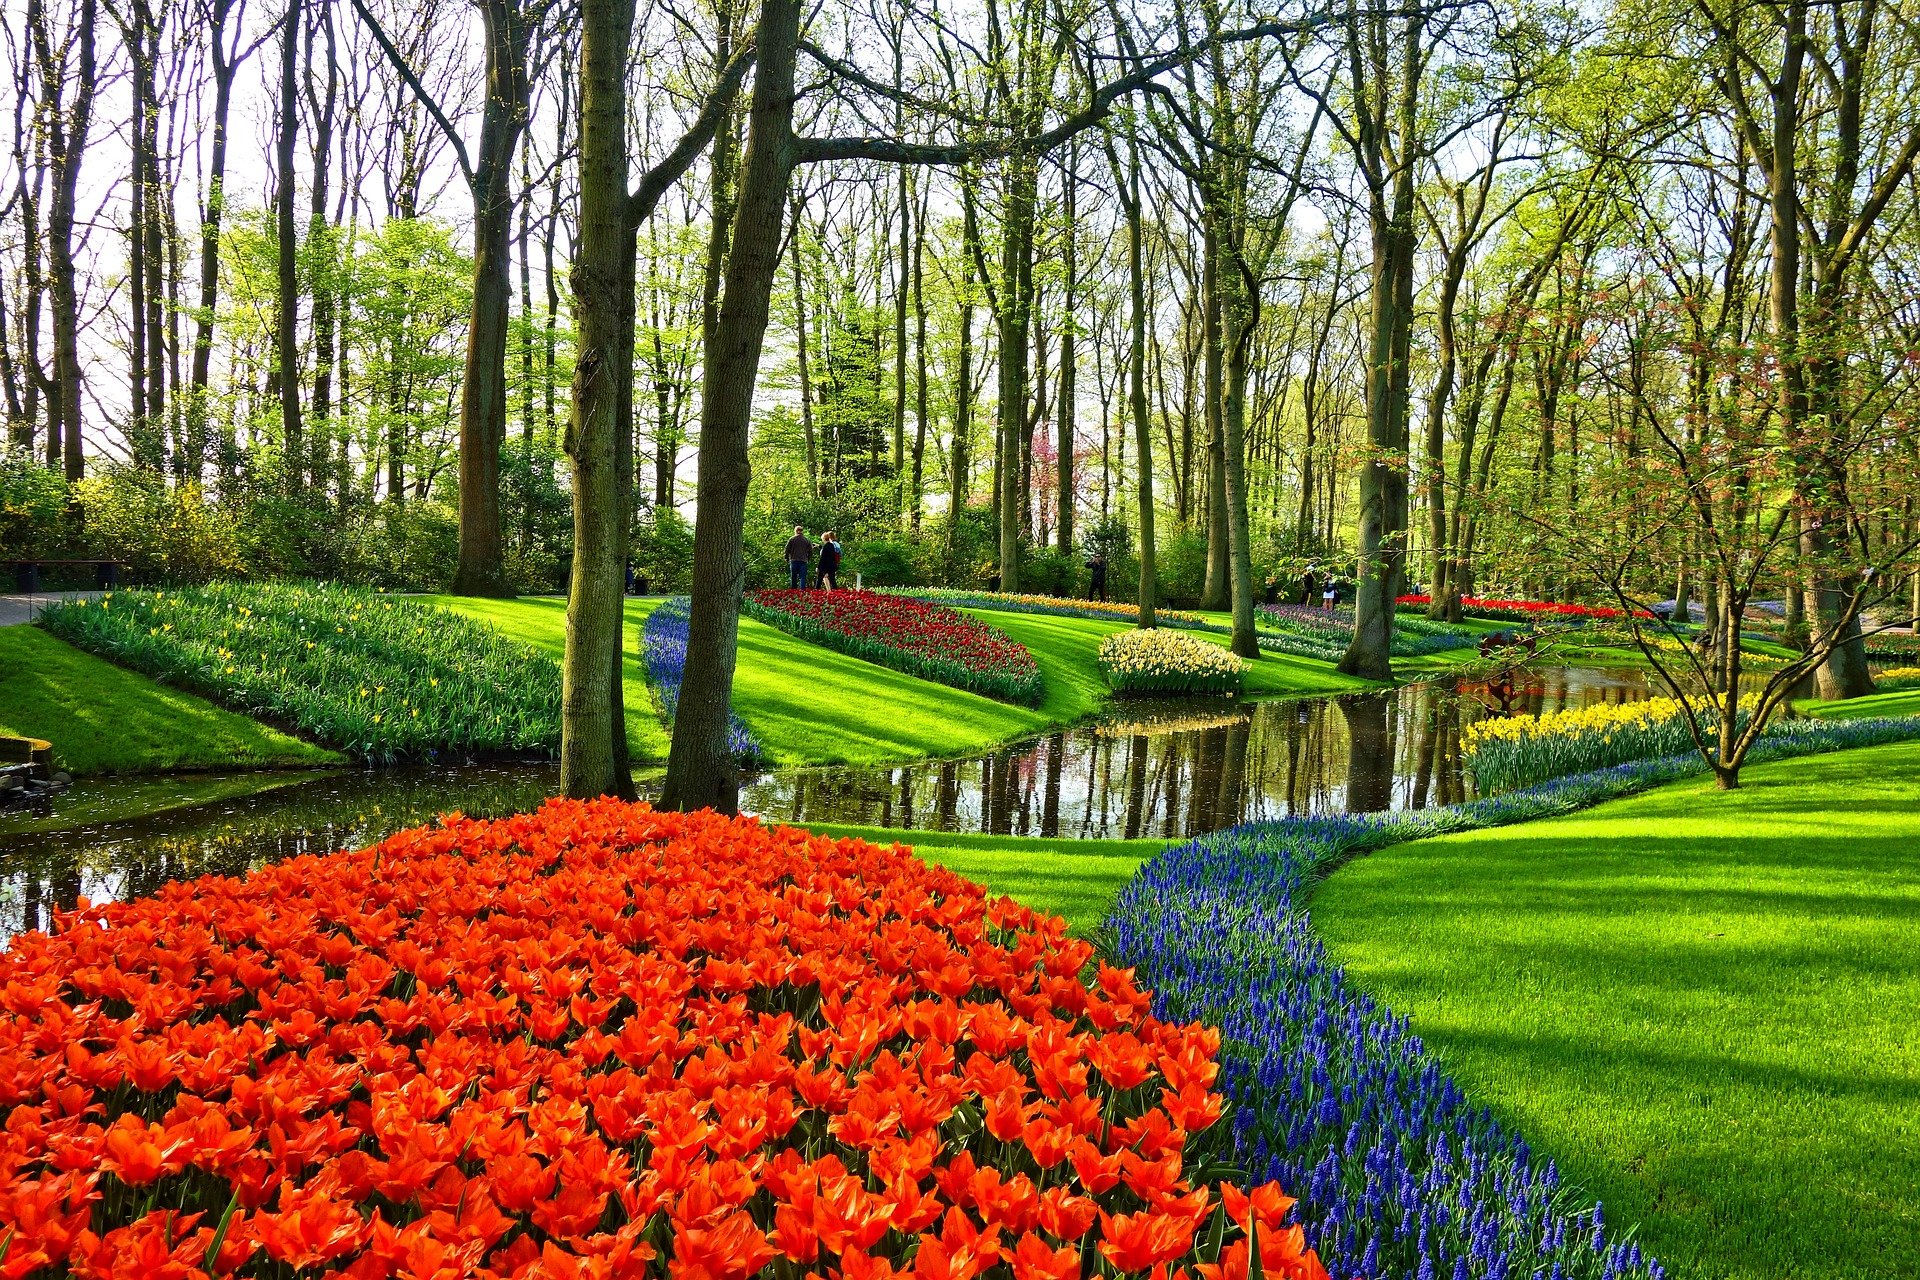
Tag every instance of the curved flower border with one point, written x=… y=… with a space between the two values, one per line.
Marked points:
x=1398 y=1173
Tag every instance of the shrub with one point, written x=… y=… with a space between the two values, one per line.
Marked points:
x=380 y=678
x=883 y=563
x=33 y=502
x=921 y=639
x=663 y=644
x=1046 y=572
x=663 y=549
x=572 y=1042
x=1169 y=662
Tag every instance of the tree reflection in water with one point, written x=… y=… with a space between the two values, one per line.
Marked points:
x=1165 y=770
x=41 y=873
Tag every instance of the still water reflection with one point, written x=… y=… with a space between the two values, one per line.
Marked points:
x=42 y=872
x=1178 y=769
x=1144 y=769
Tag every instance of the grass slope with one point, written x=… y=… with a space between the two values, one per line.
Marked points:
x=1701 y=1003
x=1073 y=878
x=1904 y=702
x=103 y=719
x=541 y=621
x=811 y=706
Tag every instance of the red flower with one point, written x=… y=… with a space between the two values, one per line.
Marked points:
x=521 y=1047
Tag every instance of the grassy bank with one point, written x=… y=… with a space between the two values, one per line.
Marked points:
x=102 y=719
x=807 y=705
x=1072 y=878
x=1701 y=1003
x=1904 y=702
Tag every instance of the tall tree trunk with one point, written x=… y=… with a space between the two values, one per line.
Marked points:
x=903 y=270
x=1217 y=589
x=212 y=212
x=1014 y=317
x=67 y=139
x=1240 y=316
x=917 y=490
x=589 y=764
x=806 y=374
x=286 y=323
x=482 y=570
x=963 y=374
x=701 y=769
x=321 y=252
x=1149 y=585
x=1383 y=481
x=1064 y=444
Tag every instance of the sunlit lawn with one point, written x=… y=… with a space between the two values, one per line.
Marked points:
x=1705 y=1005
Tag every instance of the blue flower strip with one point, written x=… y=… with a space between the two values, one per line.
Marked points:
x=1398 y=1174
x=663 y=643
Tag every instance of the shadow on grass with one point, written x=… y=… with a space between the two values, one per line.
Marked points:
x=1701 y=1003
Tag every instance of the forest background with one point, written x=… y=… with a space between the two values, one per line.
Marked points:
x=1488 y=296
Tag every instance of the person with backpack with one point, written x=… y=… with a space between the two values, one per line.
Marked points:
x=829 y=562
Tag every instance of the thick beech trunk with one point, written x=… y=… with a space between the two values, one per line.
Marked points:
x=590 y=763
x=701 y=769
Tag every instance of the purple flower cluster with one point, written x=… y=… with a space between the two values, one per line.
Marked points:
x=663 y=644
x=1325 y=633
x=1397 y=1173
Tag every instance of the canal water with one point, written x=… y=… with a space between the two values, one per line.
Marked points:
x=1142 y=769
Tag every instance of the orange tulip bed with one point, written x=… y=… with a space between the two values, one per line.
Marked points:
x=600 y=1041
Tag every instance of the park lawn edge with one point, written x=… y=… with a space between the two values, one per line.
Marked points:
x=105 y=719
x=1635 y=1154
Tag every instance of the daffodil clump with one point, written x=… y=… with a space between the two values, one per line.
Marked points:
x=380 y=678
x=1518 y=751
x=1894 y=679
x=1168 y=662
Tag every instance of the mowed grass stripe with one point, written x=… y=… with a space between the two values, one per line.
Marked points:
x=1702 y=1004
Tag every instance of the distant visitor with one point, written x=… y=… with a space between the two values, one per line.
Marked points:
x=799 y=556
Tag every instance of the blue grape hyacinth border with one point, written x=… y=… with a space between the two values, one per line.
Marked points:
x=663 y=645
x=1397 y=1172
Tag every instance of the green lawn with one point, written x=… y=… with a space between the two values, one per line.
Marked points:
x=1704 y=1005
x=541 y=621
x=1905 y=702
x=811 y=706
x=103 y=719
x=1073 y=878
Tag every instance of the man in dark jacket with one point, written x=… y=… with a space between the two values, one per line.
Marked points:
x=799 y=556
x=1097 y=573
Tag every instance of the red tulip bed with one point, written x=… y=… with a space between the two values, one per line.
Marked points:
x=599 y=1041
x=926 y=640
x=1520 y=610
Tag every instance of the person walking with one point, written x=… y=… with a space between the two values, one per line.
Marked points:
x=1330 y=593
x=1310 y=586
x=829 y=562
x=1097 y=571
x=799 y=556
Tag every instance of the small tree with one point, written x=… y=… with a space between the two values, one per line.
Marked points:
x=1721 y=469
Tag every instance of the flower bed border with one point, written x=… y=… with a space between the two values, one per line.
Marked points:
x=1024 y=691
x=663 y=648
x=1397 y=1171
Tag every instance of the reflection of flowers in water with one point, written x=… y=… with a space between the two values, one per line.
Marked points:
x=1174 y=723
